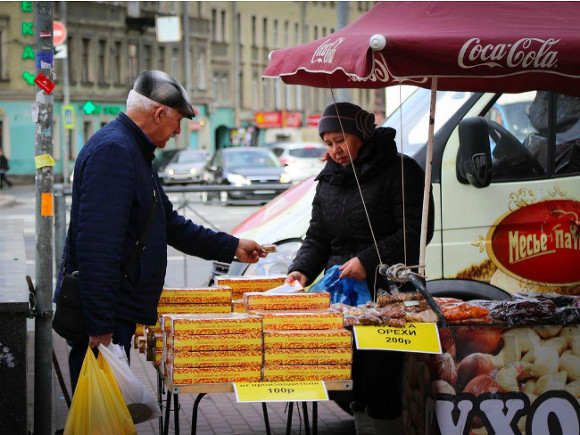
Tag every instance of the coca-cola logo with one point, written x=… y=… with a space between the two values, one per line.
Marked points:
x=325 y=51
x=525 y=53
x=539 y=242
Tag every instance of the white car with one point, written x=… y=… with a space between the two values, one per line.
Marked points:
x=185 y=167
x=301 y=159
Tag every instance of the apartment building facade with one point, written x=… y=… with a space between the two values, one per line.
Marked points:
x=219 y=55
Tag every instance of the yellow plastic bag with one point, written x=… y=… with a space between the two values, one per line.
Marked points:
x=98 y=407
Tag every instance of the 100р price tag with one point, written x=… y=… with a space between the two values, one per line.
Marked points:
x=305 y=391
x=413 y=337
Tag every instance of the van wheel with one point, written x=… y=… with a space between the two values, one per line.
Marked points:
x=224 y=197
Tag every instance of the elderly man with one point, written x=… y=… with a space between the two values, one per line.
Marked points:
x=117 y=201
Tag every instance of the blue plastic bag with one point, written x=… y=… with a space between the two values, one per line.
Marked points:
x=346 y=290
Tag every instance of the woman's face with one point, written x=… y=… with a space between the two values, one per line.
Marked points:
x=336 y=146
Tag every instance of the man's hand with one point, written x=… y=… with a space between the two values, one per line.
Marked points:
x=354 y=269
x=296 y=276
x=249 y=251
x=95 y=340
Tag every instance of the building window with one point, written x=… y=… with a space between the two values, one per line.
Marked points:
x=225 y=90
x=174 y=66
x=296 y=34
x=215 y=86
x=265 y=32
x=201 y=82
x=275 y=34
x=213 y=25
x=253 y=30
x=223 y=26
x=255 y=93
x=102 y=59
x=148 y=57
x=278 y=94
x=3 y=49
x=132 y=52
x=161 y=58
x=298 y=93
x=315 y=32
x=241 y=90
x=87 y=130
x=85 y=56
x=286 y=33
x=117 y=62
x=289 y=89
x=265 y=94
x=323 y=31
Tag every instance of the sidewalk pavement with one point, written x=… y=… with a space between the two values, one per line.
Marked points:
x=6 y=200
x=218 y=414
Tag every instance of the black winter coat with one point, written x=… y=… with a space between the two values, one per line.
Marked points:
x=339 y=229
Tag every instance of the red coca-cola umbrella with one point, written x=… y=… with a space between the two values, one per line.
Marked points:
x=471 y=46
x=463 y=46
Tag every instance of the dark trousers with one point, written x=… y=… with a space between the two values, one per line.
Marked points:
x=4 y=179
x=122 y=334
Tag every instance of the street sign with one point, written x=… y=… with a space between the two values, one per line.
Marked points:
x=58 y=33
x=68 y=116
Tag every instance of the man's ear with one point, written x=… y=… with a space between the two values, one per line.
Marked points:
x=159 y=112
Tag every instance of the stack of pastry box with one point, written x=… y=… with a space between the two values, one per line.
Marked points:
x=242 y=284
x=302 y=339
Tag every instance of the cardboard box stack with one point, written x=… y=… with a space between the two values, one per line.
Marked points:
x=303 y=340
x=212 y=348
x=242 y=284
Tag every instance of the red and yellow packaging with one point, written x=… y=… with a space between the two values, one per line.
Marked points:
x=243 y=284
x=199 y=295
x=315 y=372
x=308 y=339
x=214 y=342
x=212 y=324
x=215 y=358
x=158 y=356
x=213 y=375
x=286 y=301
x=194 y=308
x=238 y=306
x=307 y=356
x=287 y=320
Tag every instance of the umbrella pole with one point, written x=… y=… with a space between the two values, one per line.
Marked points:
x=428 y=166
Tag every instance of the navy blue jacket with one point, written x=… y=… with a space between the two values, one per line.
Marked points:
x=113 y=195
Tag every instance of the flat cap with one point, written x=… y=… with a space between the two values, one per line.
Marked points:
x=164 y=89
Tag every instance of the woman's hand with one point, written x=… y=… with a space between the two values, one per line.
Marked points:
x=354 y=269
x=249 y=251
x=296 y=276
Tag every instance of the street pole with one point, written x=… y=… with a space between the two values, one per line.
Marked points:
x=187 y=70
x=342 y=10
x=65 y=102
x=44 y=219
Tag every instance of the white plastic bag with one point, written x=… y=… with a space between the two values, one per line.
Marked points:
x=142 y=404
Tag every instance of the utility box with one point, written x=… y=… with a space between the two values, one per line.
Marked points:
x=14 y=308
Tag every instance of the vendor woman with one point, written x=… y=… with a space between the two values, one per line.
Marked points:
x=340 y=234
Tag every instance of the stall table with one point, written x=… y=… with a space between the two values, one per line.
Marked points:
x=203 y=389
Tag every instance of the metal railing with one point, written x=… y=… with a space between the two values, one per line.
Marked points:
x=182 y=205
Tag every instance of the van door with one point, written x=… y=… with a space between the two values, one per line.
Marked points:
x=520 y=232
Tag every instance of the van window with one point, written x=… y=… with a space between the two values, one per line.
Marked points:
x=509 y=127
x=518 y=126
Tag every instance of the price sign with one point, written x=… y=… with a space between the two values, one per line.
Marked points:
x=413 y=337
x=306 y=391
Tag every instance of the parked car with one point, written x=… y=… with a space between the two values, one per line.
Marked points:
x=244 y=166
x=186 y=166
x=301 y=159
x=163 y=157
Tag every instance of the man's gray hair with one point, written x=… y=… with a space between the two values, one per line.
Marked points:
x=136 y=101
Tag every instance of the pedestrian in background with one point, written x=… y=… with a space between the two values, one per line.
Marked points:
x=339 y=234
x=4 y=167
x=117 y=200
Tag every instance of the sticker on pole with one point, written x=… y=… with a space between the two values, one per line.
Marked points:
x=305 y=391
x=44 y=83
x=413 y=337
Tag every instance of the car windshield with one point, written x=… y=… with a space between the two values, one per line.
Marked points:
x=250 y=159
x=310 y=152
x=191 y=158
x=411 y=119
